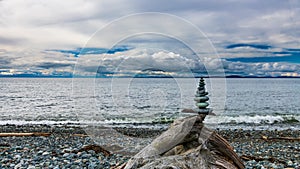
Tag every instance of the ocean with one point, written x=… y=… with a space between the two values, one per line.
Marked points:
x=248 y=103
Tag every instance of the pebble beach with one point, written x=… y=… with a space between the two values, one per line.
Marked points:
x=66 y=148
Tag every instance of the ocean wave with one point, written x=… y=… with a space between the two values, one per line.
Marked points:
x=215 y=120
x=256 y=119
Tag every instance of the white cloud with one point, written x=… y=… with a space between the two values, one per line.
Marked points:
x=137 y=60
x=262 y=69
x=48 y=24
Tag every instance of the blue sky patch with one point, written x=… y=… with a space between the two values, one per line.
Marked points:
x=292 y=58
x=85 y=51
x=293 y=50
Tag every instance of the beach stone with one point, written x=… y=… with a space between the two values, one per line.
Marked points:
x=68 y=165
x=91 y=165
x=45 y=153
x=290 y=163
x=67 y=150
x=272 y=165
x=47 y=163
x=86 y=156
x=18 y=148
x=94 y=159
x=92 y=152
x=74 y=166
x=19 y=165
x=262 y=167
x=17 y=156
x=202 y=105
x=113 y=163
x=31 y=167
x=78 y=161
x=37 y=158
x=66 y=155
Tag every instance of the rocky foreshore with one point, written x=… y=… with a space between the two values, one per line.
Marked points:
x=66 y=148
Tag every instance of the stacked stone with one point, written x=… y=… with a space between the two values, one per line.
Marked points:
x=201 y=98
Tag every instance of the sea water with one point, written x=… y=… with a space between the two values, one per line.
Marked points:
x=262 y=103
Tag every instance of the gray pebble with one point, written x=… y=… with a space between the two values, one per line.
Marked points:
x=86 y=156
x=66 y=155
x=45 y=153
x=31 y=167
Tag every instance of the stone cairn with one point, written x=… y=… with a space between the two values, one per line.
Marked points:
x=202 y=98
x=188 y=144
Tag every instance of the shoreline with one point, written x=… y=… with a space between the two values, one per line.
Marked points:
x=256 y=147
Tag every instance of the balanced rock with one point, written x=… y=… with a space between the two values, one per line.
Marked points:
x=201 y=99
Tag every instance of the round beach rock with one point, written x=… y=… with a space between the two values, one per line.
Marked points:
x=202 y=105
x=201 y=99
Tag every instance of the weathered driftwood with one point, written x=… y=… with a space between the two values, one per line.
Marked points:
x=80 y=135
x=271 y=159
x=280 y=138
x=34 y=134
x=96 y=148
x=187 y=144
x=24 y=134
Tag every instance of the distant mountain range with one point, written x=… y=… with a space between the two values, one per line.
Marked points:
x=135 y=76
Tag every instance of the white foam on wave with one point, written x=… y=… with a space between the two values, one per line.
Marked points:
x=71 y=123
x=257 y=119
x=43 y=122
x=242 y=119
x=110 y=123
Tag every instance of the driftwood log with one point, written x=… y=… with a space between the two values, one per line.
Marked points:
x=271 y=159
x=24 y=134
x=280 y=138
x=187 y=144
x=94 y=147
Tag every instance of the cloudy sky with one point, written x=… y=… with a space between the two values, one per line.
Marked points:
x=51 y=37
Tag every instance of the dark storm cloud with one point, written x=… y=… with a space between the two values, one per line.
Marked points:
x=5 y=63
x=11 y=41
x=212 y=5
x=48 y=65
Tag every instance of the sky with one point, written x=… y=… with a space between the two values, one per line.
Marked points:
x=61 y=38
